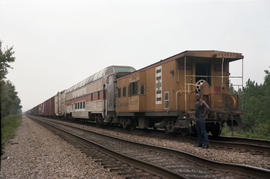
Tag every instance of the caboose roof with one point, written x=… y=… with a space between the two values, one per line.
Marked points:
x=199 y=54
x=215 y=54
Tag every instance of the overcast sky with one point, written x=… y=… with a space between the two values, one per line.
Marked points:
x=58 y=43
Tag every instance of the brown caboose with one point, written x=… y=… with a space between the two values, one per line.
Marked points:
x=162 y=95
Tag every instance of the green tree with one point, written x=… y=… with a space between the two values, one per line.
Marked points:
x=6 y=57
x=10 y=102
x=255 y=100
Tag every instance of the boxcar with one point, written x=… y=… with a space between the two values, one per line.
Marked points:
x=162 y=95
x=48 y=107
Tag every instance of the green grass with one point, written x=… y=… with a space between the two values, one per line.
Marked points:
x=226 y=131
x=8 y=126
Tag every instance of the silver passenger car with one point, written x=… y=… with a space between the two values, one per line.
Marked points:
x=94 y=97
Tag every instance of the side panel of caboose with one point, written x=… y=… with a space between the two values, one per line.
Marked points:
x=128 y=97
x=155 y=91
x=161 y=87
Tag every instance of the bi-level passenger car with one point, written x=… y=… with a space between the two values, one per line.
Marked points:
x=94 y=97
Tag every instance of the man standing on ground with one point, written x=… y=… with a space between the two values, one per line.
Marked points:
x=201 y=109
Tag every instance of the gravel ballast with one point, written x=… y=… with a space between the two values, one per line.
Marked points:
x=225 y=155
x=36 y=152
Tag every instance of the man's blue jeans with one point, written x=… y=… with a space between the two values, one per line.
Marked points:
x=201 y=131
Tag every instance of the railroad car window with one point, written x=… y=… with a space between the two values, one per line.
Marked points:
x=98 y=94
x=129 y=89
x=203 y=72
x=75 y=105
x=142 y=89
x=119 y=92
x=124 y=91
x=133 y=88
x=83 y=105
x=80 y=105
x=109 y=71
x=124 y=69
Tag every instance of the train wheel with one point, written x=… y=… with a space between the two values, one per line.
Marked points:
x=215 y=130
x=124 y=123
x=128 y=123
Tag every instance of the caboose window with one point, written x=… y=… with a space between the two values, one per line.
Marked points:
x=142 y=89
x=119 y=92
x=124 y=91
x=203 y=72
x=133 y=88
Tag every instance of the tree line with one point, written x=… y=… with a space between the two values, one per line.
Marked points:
x=254 y=100
x=10 y=102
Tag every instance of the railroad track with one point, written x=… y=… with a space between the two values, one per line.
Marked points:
x=253 y=146
x=259 y=142
x=241 y=145
x=152 y=161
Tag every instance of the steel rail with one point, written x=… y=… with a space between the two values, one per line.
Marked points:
x=260 y=142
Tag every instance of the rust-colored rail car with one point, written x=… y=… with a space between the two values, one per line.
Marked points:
x=47 y=108
x=162 y=95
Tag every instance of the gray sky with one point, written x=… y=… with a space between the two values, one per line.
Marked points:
x=58 y=43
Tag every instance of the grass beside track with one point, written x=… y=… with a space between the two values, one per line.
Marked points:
x=8 y=127
x=227 y=132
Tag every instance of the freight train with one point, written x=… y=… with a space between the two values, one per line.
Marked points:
x=161 y=95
